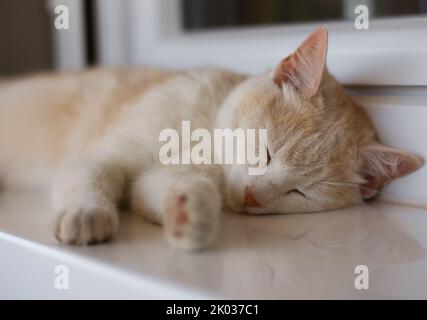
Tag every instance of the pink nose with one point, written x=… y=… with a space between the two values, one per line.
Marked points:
x=250 y=201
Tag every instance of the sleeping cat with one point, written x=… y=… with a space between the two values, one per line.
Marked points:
x=98 y=131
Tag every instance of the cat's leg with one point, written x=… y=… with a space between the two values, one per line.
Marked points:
x=186 y=200
x=86 y=195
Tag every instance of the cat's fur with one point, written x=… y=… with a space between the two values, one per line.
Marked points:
x=101 y=128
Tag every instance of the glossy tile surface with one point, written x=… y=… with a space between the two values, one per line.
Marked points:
x=286 y=256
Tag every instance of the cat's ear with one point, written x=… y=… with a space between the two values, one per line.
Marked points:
x=304 y=68
x=380 y=165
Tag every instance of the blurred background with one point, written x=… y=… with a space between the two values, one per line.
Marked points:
x=111 y=31
x=207 y=14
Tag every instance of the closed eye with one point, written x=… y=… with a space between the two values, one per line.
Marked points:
x=296 y=191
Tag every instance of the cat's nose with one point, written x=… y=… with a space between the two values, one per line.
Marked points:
x=250 y=201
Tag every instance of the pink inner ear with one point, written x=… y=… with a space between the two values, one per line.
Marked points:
x=381 y=165
x=285 y=69
x=304 y=68
x=409 y=163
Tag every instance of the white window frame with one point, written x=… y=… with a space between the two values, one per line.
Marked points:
x=392 y=52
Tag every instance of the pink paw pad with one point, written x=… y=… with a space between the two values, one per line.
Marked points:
x=179 y=216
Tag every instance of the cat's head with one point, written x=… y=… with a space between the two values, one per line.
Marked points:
x=323 y=151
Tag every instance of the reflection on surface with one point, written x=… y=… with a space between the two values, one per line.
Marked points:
x=281 y=256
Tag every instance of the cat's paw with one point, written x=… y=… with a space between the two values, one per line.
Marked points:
x=192 y=216
x=85 y=225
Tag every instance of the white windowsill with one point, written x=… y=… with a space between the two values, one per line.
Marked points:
x=279 y=257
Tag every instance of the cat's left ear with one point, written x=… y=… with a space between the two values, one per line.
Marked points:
x=380 y=165
x=304 y=68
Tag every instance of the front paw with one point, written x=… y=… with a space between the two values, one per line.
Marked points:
x=83 y=225
x=192 y=216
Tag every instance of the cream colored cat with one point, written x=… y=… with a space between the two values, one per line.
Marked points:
x=101 y=129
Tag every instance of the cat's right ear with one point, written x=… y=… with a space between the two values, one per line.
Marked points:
x=380 y=165
x=304 y=68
